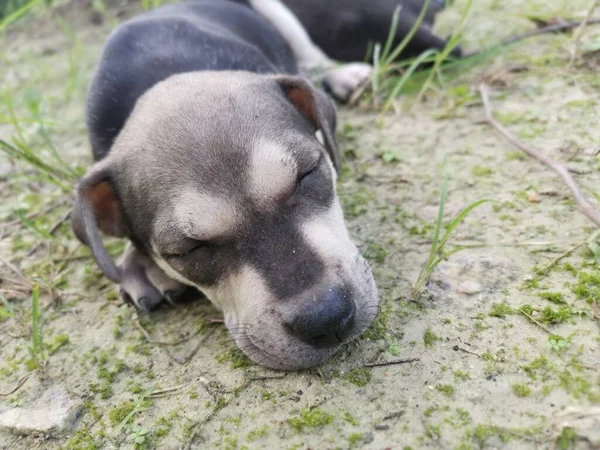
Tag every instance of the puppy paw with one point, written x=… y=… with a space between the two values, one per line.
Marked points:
x=143 y=284
x=345 y=80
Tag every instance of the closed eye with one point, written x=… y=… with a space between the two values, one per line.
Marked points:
x=195 y=246
x=302 y=178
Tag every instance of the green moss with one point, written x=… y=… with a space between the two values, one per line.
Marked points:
x=357 y=204
x=235 y=357
x=588 y=286
x=483 y=432
x=576 y=385
x=446 y=389
x=163 y=425
x=230 y=443
x=91 y=408
x=257 y=434
x=521 y=390
x=355 y=439
x=482 y=171
x=554 y=297
x=359 y=377
x=81 y=440
x=104 y=389
x=567 y=440
x=537 y=366
x=462 y=376
x=310 y=419
x=4 y=314
x=461 y=418
x=430 y=410
x=379 y=327
x=350 y=419
x=119 y=413
x=430 y=338
x=58 y=342
x=501 y=310
x=551 y=316
x=515 y=156
x=375 y=252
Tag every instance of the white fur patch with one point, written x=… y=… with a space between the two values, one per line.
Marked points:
x=204 y=217
x=328 y=237
x=272 y=172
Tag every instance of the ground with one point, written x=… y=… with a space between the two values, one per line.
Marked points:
x=505 y=333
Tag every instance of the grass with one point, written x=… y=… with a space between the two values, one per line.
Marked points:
x=438 y=251
x=392 y=77
x=37 y=350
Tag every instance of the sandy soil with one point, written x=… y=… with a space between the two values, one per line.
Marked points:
x=507 y=358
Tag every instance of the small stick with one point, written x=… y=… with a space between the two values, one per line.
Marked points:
x=555 y=261
x=390 y=363
x=20 y=384
x=536 y=322
x=457 y=348
x=162 y=392
x=584 y=205
x=267 y=377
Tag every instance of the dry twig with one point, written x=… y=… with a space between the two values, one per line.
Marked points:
x=390 y=363
x=584 y=205
x=21 y=382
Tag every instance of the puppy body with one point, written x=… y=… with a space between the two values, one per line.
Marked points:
x=178 y=38
x=210 y=164
x=343 y=29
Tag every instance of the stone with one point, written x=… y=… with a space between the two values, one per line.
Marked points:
x=53 y=413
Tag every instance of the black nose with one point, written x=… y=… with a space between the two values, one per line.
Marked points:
x=324 y=320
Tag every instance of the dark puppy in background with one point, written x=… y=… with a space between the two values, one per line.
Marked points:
x=343 y=29
x=217 y=161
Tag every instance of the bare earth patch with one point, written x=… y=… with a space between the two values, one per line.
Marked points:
x=508 y=353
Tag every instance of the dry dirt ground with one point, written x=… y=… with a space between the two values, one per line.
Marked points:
x=508 y=353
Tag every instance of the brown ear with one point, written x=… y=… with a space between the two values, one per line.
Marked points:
x=317 y=107
x=97 y=208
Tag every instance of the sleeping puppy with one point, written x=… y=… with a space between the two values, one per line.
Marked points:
x=343 y=29
x=218 y=162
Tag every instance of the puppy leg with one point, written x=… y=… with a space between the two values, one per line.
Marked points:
x=342 y=81
x=143 y=284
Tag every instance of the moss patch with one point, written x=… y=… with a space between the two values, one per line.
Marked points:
x=359 y=377
x=521 y=390
x=310 y=419
x=118 y=414
x=430 y=338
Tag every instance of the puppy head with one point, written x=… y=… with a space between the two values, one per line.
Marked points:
x=227 y=180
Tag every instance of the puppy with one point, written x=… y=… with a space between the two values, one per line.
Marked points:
x=343 y=29
x=218 y=163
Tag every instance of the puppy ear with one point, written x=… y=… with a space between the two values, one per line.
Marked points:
x=97 y=208
x=317 y=107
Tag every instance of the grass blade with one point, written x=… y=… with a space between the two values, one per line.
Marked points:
x=398 y=50
x=460 y=217
x=15 y=15
x=440 y=218
x=405 y=77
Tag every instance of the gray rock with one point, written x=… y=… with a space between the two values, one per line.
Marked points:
x=54 y=412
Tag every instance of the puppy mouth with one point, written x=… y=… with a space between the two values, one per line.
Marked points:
x=296 y=355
